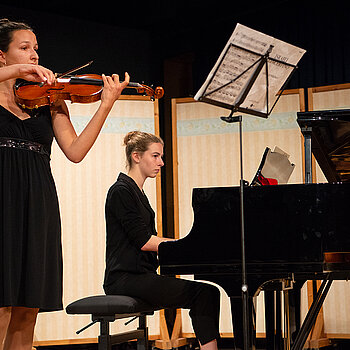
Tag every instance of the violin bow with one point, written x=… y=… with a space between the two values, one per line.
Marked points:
x=73 y=70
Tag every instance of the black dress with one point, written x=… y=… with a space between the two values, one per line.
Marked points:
x=30 y=229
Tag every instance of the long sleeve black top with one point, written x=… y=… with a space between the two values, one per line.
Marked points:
x=130 y=224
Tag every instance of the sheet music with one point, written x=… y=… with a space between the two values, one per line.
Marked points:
x=230 y=75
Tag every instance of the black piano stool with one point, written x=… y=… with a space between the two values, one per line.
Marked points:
x=108 y=308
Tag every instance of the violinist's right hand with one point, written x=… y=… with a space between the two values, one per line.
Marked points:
x=35 y=73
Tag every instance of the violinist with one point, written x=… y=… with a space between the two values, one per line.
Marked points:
x=30 y=230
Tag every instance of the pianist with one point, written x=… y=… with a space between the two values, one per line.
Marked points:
x=132 y=245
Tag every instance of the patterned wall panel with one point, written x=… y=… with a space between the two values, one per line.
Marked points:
x=336 y=309
x=82 y=190
x=208 y=155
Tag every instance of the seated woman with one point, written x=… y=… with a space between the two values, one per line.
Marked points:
x=132 y=245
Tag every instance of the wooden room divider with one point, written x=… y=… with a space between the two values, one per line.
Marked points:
x=336 y=308
x=206 y=153
x=82 y=190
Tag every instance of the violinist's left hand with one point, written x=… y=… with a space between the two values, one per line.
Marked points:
x=76 y=147
x=112 y=88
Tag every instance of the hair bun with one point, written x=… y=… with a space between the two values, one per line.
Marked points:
x=129 y=136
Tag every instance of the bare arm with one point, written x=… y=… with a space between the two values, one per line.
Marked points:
x=76 y=147
x=28 y=72
x=153 y=243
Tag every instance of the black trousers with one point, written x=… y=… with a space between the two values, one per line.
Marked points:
x=202 y=299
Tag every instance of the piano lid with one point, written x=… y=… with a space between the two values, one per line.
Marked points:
x=330 y=141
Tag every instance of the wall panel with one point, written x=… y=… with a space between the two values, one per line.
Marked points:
x=82 y=190
x=336 y=307
x=207 y=154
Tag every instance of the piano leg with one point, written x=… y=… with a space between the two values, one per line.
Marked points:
x=237 y=323
x=273 y=320
x=273 y=316
x=294 y=305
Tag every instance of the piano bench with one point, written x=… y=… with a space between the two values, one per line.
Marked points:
x=108 y=308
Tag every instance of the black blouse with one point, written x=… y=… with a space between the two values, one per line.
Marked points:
x=130 y=224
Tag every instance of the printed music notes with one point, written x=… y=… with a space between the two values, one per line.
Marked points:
x=251 y=70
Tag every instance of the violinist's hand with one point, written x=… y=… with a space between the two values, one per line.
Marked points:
x=35 y=73
x=112 y=88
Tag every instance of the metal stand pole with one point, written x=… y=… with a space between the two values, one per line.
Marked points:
x=244 y=288
x=230 y=119
x=244 y=271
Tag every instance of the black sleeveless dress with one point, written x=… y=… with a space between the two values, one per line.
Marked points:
x=30 y=229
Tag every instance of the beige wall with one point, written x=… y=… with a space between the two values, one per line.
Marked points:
x=207 y=151
x=82 y=189
x=207 y=155
x=336 y=309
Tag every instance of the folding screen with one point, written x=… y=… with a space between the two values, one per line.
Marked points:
x=336 y=306
x=206 y=153
x=82 y=190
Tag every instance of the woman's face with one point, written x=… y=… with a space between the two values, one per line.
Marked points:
x=151 y=160
x=22 y=49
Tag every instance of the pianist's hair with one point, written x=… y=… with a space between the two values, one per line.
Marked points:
x=138 y=141
x=7 y=28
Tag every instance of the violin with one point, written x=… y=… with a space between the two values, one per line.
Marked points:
x=79 y=88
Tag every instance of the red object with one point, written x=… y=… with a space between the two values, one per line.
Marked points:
x=265 y=181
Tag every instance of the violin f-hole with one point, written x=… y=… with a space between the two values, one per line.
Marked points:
x=54 y=89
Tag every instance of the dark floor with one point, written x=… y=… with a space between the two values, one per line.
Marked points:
x=224 y=344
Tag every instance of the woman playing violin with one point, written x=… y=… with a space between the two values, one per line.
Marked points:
x=30 y=237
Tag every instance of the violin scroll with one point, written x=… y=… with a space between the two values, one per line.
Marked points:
x=156 y=93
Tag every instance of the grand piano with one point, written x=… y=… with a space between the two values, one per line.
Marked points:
x=293 y=233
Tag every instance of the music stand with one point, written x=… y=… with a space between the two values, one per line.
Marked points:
x=239 y=82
